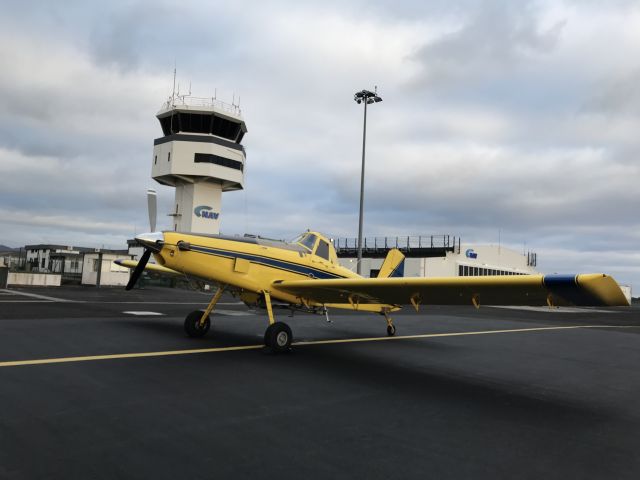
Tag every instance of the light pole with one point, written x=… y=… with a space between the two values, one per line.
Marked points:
x=367 y=97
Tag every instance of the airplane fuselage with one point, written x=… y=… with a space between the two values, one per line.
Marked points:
x=248 y=264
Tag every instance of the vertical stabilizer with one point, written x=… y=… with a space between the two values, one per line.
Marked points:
x=393 y=265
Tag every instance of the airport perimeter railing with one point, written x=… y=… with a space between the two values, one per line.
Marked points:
x=422 y=244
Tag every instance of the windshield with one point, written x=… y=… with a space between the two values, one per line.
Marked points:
x=298 y=239
x=307 y=240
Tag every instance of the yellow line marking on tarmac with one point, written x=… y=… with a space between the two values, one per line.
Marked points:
x=458 y=334
x=91 y=358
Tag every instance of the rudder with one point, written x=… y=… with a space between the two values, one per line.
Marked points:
x=393 y=265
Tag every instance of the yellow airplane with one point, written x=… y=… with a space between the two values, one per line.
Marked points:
x=305 y=275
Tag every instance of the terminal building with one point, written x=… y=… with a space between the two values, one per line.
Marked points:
x=437 y=256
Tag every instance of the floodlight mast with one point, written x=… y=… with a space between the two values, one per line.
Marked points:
x=367 y=97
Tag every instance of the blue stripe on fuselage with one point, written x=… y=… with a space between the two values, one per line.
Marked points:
x=267 y=261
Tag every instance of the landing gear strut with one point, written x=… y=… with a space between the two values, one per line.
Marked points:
x=391 y=328
x=278 y=336
x=197 y=323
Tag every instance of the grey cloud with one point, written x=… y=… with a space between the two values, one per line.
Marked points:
x=497 y=36
x=616 y=95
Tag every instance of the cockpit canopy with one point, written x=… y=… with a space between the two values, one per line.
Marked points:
x=317 y=244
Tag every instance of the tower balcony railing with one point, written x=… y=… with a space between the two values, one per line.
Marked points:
x=182 y=101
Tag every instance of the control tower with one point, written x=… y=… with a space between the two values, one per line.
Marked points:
x=201 y=155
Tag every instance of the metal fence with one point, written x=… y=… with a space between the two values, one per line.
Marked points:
x=403 y=243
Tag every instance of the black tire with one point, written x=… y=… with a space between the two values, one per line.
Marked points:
x=391 y=330
x=278 y=337
x=192 y=324
x=267 y=336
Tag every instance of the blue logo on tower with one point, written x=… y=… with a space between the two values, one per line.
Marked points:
x=470 y=253
x=205 y=211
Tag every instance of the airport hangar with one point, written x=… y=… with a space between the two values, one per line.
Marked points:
x=436 y=256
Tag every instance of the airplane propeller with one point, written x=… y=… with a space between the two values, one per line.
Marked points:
x=152 y=207
x=147 y=240
x=139 y=269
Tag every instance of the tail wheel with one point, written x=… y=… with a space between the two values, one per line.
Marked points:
x=278 y=337
x=391 y=330
x=192 y=324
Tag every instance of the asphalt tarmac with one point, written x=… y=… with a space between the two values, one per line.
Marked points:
x=103 y=383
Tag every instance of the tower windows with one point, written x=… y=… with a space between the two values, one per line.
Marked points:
x=202 y=123
x=218 y=160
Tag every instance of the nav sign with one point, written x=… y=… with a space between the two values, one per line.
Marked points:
x=205 y=211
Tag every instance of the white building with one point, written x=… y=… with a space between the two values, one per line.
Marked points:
x=441 y=256
x=478 y=260
x=11 y=259
x=78 y=264
x=99 y=265
x=47 y=258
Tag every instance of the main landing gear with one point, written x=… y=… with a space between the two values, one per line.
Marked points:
x=194 y=326
x=391 y=328
x=197 y=323
x=278 y=336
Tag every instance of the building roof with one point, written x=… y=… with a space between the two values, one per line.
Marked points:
x=67 y=249
x=107 y=250
x=49 y=246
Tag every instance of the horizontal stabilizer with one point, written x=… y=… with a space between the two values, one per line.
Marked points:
x=152 y=267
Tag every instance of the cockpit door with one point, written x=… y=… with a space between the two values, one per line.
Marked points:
x=322 y=255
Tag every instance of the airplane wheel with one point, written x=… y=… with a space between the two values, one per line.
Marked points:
x=391 y=330
x=192 y=327
x=278 y=337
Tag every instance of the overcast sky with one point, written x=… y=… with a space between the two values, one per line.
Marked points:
x=510 y=119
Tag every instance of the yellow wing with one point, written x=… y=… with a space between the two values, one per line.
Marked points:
x=153 y=267
x=585 y=290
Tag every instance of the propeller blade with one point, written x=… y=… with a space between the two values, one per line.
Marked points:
x=152 y=207
x=139 y=269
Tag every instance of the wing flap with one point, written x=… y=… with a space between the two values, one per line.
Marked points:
x=581 y=290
